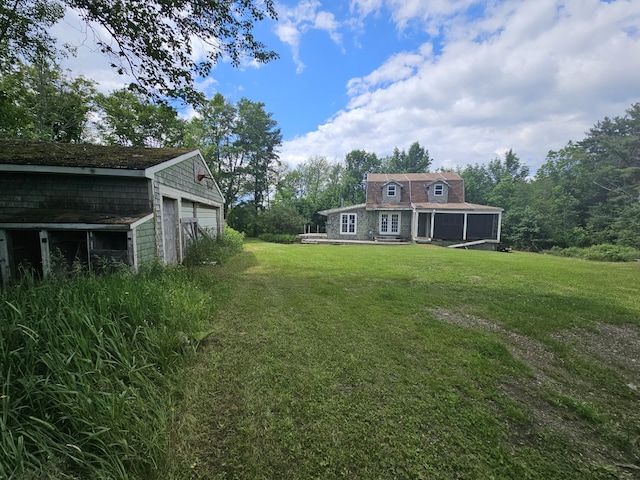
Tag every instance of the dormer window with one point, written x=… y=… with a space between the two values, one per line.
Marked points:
x=391 y=190
x=438 y=189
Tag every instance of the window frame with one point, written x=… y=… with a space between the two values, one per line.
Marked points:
x=438 y=190
x=391 y=188
x=348 y=224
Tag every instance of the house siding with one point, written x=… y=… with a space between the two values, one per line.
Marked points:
x=405 y=223
x=145 y=242
x=182 y=176
x=364 y=228
x=27 y=191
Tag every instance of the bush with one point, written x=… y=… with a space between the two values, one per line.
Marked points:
x=279 y=238
x=601 y=253
x=210 y=249
x=88 y=369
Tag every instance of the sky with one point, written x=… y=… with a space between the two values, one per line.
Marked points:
x=468 y=80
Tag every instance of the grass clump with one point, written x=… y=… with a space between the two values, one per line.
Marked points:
x=600 y=253
x=87 y=369
x=209 y=249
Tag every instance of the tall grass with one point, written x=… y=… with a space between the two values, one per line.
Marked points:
x=86 y=371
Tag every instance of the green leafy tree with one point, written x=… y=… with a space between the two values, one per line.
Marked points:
x=151 y=41
x=213 y=131
x=358 y=164
x=477 y=183
x=613 y=160
x=239 y=143
x=281 y=218
x=25 y=31
x=257 y=138
x=42 y=102
x=132 y=119
x=315 y=184
x=415 y=161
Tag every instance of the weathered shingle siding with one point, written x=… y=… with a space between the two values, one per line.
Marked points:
x=118 y=195
x=182 y=176
x=363 y=226
x=145 y=242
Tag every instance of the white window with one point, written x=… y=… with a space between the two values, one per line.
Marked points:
x=438 y=189
x=391 y=190
x=348 y=222
x=389 y=223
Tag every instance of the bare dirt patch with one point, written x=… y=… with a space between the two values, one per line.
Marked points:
x=555 y=393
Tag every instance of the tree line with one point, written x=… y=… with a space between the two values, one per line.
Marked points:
x=584 y=194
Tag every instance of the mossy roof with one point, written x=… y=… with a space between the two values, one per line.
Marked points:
x=23 y=152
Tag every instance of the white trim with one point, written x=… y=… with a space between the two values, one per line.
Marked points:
x=45 y=252
x=144 y=219
x=464 y=227
x=470 y=212
x=149 y=172
x=348 y=224
x=182 y=195
x=342 y=209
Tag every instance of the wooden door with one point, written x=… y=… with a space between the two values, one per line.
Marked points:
x=170 y=230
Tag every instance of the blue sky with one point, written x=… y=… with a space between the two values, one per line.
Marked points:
x=467 y=79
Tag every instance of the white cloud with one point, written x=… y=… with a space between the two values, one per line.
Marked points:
x=293 y=22
x=529 y=76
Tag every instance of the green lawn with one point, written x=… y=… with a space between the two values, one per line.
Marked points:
x=367 y=362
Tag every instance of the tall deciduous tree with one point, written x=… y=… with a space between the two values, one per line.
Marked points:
x=132 y=119
x=239 y=142
x=152 y=41
x=24 y=30
x=358 y=164
x=44 y=103
x=213 y=130
x=258 y=138
x=314 y=185
x=416 y=160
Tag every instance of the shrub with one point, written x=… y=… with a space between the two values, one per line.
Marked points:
x=279 y=238
x=602 y=253
x=209 y=249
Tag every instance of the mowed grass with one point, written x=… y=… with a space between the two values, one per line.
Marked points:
x=339 y=362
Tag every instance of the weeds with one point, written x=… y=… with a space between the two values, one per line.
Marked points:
x=208 y=249
x=87 y=369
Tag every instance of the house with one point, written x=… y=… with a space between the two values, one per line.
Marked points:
x=421 y=207
x=92 y=204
